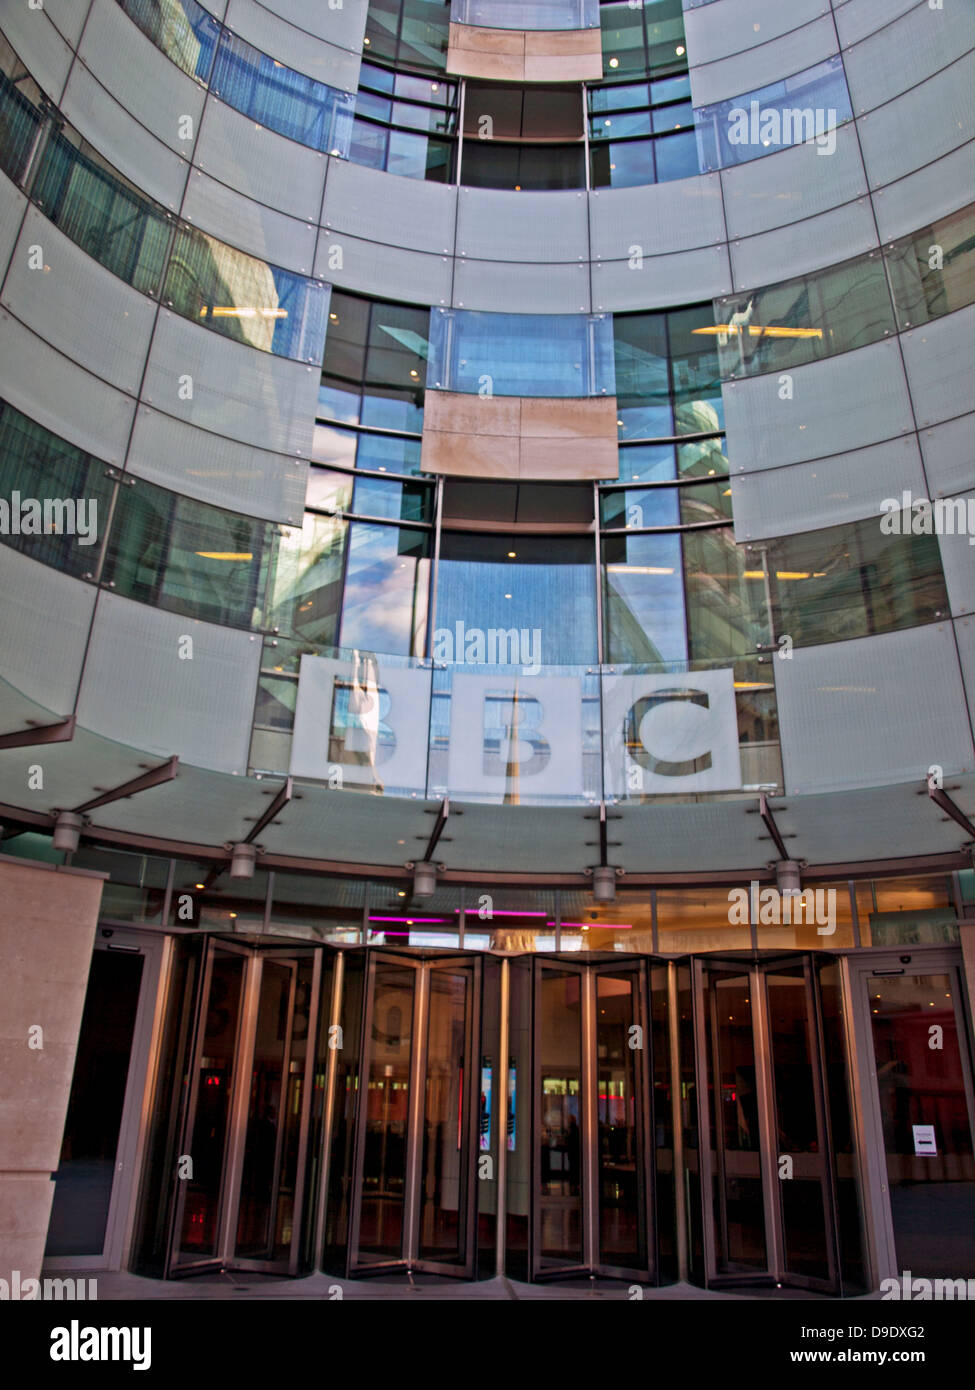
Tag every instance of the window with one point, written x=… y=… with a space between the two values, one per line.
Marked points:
x=802 y=320
x=852 y=581
x=503 y=582
x=567 y=355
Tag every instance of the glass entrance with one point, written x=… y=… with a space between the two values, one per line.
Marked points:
x=240 y=1177
x=923 y=1112
x=767 y=1178
x=413 y=1205
x=100 y=1144
x=591 y=1179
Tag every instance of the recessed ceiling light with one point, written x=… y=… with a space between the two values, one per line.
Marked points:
x=507 y=595
x=334 y=318
x=512 y=555
x=198 y=885
x=614 y=62
x=680 y=50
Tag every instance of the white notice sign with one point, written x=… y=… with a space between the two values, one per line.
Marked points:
x=924 y=1140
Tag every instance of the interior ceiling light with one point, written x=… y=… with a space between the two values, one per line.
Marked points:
x=641 y=569
x=680 y=50
x=224 y=554
x=757 y=331
x=614 y=62
x=227 y=311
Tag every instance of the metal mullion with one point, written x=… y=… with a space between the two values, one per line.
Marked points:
x=710 y=1000
x=677 y=1126
x=767 y=1130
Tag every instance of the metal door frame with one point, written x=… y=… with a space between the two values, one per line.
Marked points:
x=879 y=1247
x=131 y=1135
x=591 y=1266
x=228 y=1199
x=756 y=967
x=409 y=1259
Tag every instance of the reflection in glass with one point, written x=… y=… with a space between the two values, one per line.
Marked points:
x=86 y=1170
x=444 y=1169
x=805 y=1195
x=560 y=1118
x=384 y=604
x=802 y=320
x=381 y=1232
x=559 y=355
x=739 y=1211
x=218 y=1055
x=927 y=1132
x=622 y=1222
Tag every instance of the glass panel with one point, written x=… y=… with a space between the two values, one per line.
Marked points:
x=246 y=299
x=559 y=1134
x=853 y=581
x=644 y=598
x=642 y=376
x=186 y=556
x=539 y=588
x=739 y=1211
x=568 y=355
x=384 y=604
x=648 y=463
x=726 y=612
x=622 y=1222
x=619 y=97
x=266 y=1115
x=803 y=1183
x=808 y=104
x=619 y=124
x=137 y=884
x=306 y=585
x=933 y=272
x=624 y=40
x=802 y=320
x=392 y=500
x=906 y=911
x=526 y=14
x=842 y=1140
x=640 y=507
x=63 y=496
x=697 y=920
x=676 y=155
x=86 y=1171
x=181 y=29
x=387 y=454
x=381 y=1233
x=444 y=1174
x=623 y=164
x=20 y=118
x=329 y=491
x=197 y=1237
x=280 y=98
x=927 y=1132
x=102 y=213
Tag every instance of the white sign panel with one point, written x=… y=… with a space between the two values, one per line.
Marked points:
x=511 y=733
x=360 y=723
x=671 y=733
x=924 y=1140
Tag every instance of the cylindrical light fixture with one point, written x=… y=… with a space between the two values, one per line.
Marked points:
x=424 y=879
x=67 y=831
x=604 y=884
x=242 y=860
x=787 y=876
